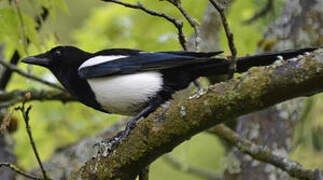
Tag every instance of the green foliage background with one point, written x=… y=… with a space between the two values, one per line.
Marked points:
x=96 y=25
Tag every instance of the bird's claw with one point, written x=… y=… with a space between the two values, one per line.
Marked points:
x=109 y=144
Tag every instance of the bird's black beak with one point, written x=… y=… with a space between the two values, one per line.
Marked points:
x=37 y=60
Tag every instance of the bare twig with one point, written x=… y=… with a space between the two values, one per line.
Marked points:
x=14 y=68
x=194 y=24
x=144 y=174
x=13 y=97
x=18 y=171
x=262 y=12
x=25 y=114
x=17 y=96
x=230 y=38
x=177 y=24
x=190 y=169
x=263 y=153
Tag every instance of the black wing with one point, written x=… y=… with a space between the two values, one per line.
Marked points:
x=138 y=61
x=132 y=52
x=120 y=51
x=194 y=54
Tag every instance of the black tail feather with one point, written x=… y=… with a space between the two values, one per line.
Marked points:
x=244 y=63
x=218 y=66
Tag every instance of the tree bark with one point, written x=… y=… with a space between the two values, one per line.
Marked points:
x=300 y=25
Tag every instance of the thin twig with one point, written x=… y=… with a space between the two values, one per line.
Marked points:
x=194 y=24
x=18 y=171
x=16 y=96
x=177 y=24
x=144 y=174
x=14 y=68
x=190 y=169
x=25 y=114
x=262 y=12
x=230 y=38
x=264 y=154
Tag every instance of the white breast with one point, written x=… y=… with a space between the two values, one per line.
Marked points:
x=126 y=94
x=99 y=59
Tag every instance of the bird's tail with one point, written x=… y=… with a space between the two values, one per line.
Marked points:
x=218 y=66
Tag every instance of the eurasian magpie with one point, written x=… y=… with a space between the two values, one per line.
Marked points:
x=133 y=82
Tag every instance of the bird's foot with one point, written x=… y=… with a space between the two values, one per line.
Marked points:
x=109 y=144
x=198 y=94
x=200 y=90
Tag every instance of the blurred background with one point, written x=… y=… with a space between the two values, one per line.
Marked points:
x=294 y=128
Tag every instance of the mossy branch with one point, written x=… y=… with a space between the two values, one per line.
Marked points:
x=159 y=133
x=264 y=154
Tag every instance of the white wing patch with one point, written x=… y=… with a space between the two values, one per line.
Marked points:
x=126 y=94
x=100 y=59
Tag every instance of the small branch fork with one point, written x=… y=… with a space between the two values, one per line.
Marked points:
x=230 y=38
x=25 y=113
x=177 y=24
x=14 y=68
x=19 y=171
x=264 y=154
x=193 y=23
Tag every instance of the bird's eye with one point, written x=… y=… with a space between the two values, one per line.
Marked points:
x=58 y=53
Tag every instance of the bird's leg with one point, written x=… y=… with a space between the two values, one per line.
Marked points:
x=200 y=90
x=118 y=138
x=132 y=123
x=198 y=86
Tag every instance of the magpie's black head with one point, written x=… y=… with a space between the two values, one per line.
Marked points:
x=59 y=57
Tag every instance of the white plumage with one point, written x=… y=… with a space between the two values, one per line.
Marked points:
x=100 y=59
x=123 y=94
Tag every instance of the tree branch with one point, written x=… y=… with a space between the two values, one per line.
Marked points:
x=194 y=24
x=25 y=113
x=230 y=38
x=11 y=98
x=177 y=24
x=160 y=132
x=190 y=169
x=263 y=153
x=18 y=171
x=14 y=68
